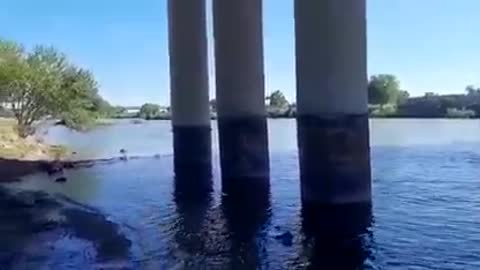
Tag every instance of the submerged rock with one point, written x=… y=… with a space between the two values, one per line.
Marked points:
x=54 y=168
x=61 y=179
x=13 y=180
x=68 y=165
x=23 y=199
x=94 y=227
x=27 y=215
x=285 y=238
x=43 y=226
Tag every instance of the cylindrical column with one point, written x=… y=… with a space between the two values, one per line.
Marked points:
x=240 y=94
x=189 y=89
x=332 y=105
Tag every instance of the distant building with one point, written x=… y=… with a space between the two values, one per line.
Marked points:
x=132 y=110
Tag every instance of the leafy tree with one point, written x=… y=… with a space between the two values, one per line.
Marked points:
x=119 y=110
x=447 y=103
x=149 y=111
x=42 y=83
x=383 y=89
x=278 y=100
x=402 y=96
x=472 y=90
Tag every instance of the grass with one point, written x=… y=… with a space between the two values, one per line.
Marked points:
x=13 y=146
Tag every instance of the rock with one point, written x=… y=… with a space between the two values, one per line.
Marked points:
x=54 y=168
x=104 y=234
x=137 y=121
x=43 y=198
x=61 y=179
x=60 y=123
x=285 y=238
x=23 y=199
x=157 y=156
x=68 y=165
x=44 y=226
x=14 y=180
x=124 y=158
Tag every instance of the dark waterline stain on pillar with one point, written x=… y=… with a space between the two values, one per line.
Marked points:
x=334 y=158
x=244 y=155
x=192 y=159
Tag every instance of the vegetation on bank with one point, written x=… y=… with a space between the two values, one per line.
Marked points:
x=12 y=146
x=386 y=99
x=43 y=84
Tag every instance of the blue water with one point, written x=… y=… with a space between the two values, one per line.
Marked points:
x=425 y=214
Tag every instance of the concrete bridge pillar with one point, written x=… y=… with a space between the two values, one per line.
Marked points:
x=332 y=103
x=240 y=94
x=189 y=91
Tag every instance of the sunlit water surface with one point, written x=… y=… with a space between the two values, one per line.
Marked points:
x=426 y=205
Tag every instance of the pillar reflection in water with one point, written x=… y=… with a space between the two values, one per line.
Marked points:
x=246 y=218
x=337 y=237
x=191 y=226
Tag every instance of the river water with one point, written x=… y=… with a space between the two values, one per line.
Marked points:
x=426 y=202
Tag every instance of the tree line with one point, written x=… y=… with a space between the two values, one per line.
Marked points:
x=42 y=83
x=386 y=98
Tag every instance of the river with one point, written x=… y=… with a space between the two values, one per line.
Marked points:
x=426 y=199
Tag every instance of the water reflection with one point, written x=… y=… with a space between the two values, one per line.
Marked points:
x=247 y=216
x=229 y=235
x=191 y=226
x=337 y=237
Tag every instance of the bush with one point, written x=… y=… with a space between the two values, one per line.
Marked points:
x=459 y=113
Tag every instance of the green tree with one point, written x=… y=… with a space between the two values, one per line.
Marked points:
x=42 y=83
x=149 y=111
x=472 y=90
x=383 y=89
x=402 y=97
x=278 y=100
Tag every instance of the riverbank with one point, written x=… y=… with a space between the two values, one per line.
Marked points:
x=12 y=146
x=35 y=225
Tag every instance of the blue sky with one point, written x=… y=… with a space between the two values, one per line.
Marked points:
x=431 y=45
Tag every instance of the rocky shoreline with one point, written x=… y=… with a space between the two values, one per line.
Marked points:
x=32 y=222
x=37 y=219
x=11 y=170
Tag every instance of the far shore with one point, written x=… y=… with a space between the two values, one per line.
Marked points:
x=137 y=120
x=23 y=156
